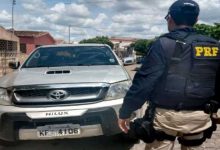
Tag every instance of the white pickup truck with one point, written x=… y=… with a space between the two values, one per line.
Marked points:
x=66 y=91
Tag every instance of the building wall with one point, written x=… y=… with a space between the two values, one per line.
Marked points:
x=30 y=48
x=5 y=35
x=34 y=42
x=26 y=40
x=121 y=47
x=27 y=44
x=124 y=44
x=9 y=49
x=7 y=38
x=44 y=40
x=121 y=44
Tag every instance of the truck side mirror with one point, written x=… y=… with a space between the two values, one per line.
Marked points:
x=14 y=65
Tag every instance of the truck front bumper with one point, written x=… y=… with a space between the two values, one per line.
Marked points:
x=95 y=121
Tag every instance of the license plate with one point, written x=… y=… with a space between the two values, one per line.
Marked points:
x=58 y=130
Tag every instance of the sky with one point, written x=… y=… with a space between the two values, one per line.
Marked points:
x=89 y=18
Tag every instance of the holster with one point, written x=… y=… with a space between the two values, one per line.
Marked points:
x=212 y=107
x=143 y=128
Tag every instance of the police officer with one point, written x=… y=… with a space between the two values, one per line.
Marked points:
x=178 y=78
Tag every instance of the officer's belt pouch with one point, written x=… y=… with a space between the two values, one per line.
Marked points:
x=144 y=130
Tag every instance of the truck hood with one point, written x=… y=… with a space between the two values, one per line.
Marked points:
x=78 y=74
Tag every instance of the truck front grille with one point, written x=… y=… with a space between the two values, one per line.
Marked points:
x=72 y=93
x=45 y=92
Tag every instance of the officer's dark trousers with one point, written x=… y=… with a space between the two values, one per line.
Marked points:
x=178 y=123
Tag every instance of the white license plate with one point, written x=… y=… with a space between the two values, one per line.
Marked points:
x=58 y=130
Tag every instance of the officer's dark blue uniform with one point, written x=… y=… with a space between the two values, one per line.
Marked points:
x=147 y=81
x=179 y=73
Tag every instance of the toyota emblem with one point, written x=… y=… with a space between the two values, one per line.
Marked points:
x=58 y=95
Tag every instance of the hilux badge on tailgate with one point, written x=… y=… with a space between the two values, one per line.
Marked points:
x=58 y=95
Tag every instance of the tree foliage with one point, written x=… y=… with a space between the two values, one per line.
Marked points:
x=209 y=30
x=141 y=46
x=99 y=40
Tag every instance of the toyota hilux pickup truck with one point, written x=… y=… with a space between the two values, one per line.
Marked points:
x=63 y=91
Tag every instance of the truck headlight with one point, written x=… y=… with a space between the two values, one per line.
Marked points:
x=4 y=98
x=118 y=90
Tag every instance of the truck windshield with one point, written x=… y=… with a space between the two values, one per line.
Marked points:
x=71 y=56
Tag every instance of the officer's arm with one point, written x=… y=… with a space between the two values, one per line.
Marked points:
x=144 y=80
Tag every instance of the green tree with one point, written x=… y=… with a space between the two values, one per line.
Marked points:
x=141 y=46
x=99 y=40
x=209 y=30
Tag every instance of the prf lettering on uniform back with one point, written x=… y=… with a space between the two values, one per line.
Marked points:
x=207 y=51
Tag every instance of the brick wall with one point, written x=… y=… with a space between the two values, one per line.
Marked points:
x=30 y=48
x=44 y=40
x=33 y=42
x=29 y=40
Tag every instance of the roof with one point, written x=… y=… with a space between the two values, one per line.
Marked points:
x=6 y=35
x=30 y=33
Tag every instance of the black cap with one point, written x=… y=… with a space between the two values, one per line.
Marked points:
x=184 y=9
